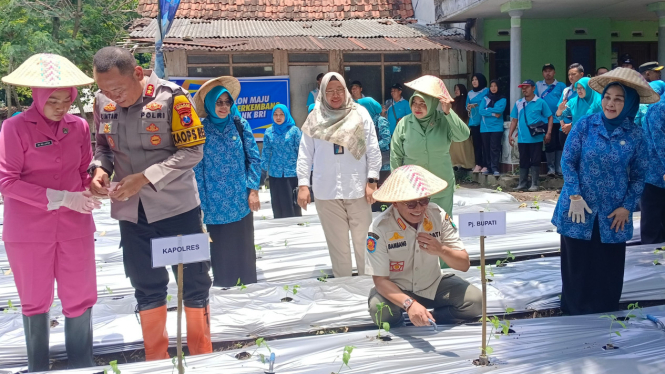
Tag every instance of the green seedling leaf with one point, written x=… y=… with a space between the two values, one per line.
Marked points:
x=168 y=298
x=618 y=333
x=263 y=358
x=509 y=310
x=489 y=350
x=386 y=326
x=109 y=290
x=345 y=358
x=621 y=323
x=498 y=262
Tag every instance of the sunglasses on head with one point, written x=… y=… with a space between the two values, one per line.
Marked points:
x=413 y=204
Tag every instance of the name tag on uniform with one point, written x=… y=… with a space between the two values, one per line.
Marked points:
x=43 y=144
x=339 y=150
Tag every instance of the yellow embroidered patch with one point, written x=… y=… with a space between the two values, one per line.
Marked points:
x=186 y=126
x=428 y=225
x=396 y=236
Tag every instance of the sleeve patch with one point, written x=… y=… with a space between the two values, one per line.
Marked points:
x=186 y=126
x=371 y=244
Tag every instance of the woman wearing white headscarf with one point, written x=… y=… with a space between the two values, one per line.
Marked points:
x=340 y=141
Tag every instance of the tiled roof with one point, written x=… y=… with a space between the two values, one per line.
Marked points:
x=300 y=43
x=191 y=28
x=296 y=10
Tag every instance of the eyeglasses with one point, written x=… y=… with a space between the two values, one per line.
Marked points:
x=224 y=103
x=419 y=105
x=337 y=92
x=415 y=203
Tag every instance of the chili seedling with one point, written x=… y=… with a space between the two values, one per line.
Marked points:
x=240 y=284
x=259 y=250
x=613 y=319
x=499 y=189
x=293 y=289
x=346 y=356
x=536 y=206
x=497 y=325
x=261 y=342
x=114 y=367
x=168 y=298
x=323 y=277
x=632 y=308
x=10 y=306
x=500 y=263
x=174 y=361
x=379 y=314
x=109 y=290
x=286 y=242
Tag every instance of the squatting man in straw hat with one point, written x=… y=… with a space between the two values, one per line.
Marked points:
x=404 y=245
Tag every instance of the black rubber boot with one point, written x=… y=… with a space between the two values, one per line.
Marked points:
x=551 y=163
x=524 y=180
x=558 y=163
x=78 y=341
x=535 y=175
x=37 y=330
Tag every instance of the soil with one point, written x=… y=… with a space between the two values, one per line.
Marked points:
x=610 y=346
x=525 y=196
x=385 y=338
x=243 y=356
x=286 y=299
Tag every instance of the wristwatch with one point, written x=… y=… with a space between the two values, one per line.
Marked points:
x=407 y=304
x=371 y=180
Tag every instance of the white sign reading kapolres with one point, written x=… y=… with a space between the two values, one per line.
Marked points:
x=482 y=224
x=184 y=249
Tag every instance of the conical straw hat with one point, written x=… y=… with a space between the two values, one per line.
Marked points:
x=432 y=86
x=230 y=83
x=409 y=182
x=47 y=70
x=628 y=77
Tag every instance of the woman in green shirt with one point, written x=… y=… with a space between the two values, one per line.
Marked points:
x=423 y=137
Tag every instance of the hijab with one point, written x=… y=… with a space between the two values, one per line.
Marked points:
x=41 y=95
x=659 y=87
x=630 y=106
x=343 y=126
x=372 y=106
x=482 y=82
x=459 y=105
x=210 y=103
x=590 y=104
x=288 y=120
x=432 y=114
x=494 y=97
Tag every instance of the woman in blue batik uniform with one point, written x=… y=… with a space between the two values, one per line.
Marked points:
x=604 y=165
x=474 y=99
x=281 y=142
x=228 y=181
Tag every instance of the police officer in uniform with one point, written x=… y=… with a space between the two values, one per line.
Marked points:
x=405 y=244
x=149 y=138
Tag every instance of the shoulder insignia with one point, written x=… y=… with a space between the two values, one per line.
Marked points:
x=401 y=224
x=152 y=128
x=154 y=106
x=155 y=140
x=428 y=225
x=107 y=128
x=371 y=244
x=110 y=107
x=373 y=235
x=186 y=127
x=396 y=236
x=450 y=220
x=150 y=90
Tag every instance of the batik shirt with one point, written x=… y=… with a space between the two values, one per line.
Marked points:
x=654 y=136
x=222 y=177
x=382 y=127
x=280 y=152
x=608 y=171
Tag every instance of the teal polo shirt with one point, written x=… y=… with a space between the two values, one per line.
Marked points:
x=536 y=110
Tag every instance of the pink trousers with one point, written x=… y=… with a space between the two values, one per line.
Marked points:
x=37 y=265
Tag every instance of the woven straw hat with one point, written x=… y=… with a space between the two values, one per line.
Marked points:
x=47 y=70
x=432 y=86
x=409 y=182
x=230 y=83
x=628 y=77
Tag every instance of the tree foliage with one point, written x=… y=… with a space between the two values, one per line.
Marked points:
x=75 y=29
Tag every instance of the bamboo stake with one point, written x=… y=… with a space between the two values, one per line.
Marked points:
x=181 y=369
x=483 y=356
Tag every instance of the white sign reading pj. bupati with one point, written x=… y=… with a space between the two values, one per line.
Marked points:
x=482 y=224
x=180 y=250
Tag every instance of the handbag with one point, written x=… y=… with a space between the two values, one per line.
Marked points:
x=538 y=128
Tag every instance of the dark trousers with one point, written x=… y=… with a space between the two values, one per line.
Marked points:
x=380 y=206
x=150 y=283
x=477 y=145
x=492 y=150
x=232 y=252
x=554 y=144
x=591 y=274
x=281 y=197
x=652 y=223
x=562 y=138
x=531 y=154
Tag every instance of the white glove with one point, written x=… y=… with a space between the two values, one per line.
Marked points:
x=81 y=201
x=577 y=208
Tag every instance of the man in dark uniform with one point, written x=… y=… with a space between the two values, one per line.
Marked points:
x=149 y=138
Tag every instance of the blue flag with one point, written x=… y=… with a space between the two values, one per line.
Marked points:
x=167 y=10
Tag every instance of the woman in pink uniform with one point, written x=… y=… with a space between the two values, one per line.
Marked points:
x=48 y=227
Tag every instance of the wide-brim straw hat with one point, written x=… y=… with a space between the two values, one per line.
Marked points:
x=409 y=182
x=630 y=78
x=230 y=83
x=432 y=86
x=47 y=70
